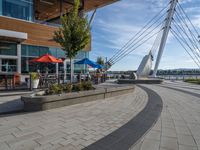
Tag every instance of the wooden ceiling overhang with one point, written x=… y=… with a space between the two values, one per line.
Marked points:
x=50 y=9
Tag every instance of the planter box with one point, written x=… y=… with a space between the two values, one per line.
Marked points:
x=37 y=103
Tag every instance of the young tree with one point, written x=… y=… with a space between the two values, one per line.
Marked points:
x=74 y=33
x=100 y=61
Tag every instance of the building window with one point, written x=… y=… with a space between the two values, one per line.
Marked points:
x=21 y=9
x=82 y=54
x=8 y=49
x=9 y=65
x=30 y=52
x=34 y=51
x=57 y=52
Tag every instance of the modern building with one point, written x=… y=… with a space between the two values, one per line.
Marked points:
x=27 y=27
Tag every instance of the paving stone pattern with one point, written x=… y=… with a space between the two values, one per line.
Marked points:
x=69 y=128
x=124 y=137
x=178 y=128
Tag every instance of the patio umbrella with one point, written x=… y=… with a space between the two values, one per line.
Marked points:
x=86 y=61
x=46 y=59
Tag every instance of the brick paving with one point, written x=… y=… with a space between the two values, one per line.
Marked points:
x=128 y=134
x=178 y=128
x=72 y=127
x=78 y=126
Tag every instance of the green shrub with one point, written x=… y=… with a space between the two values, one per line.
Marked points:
x=67 y=88
x=34 y=75
x=77 y=87
x=196 y=81
x=55 y=89
x=87 y=86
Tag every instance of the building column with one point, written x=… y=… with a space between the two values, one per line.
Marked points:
x=65 y=69
x=72 y=70
x=19 y=58
x=57 y=69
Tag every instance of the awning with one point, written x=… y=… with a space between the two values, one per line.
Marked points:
x=13 y=35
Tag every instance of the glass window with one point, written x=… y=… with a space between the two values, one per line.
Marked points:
x=43 y=50
x=9 y=65
x=21 y=9
x=56 y=52
x=0 y=7
x=24 y=51
x=27 y=66
x=82 y=54
x=34 y=51
x=60 y=53
x=8 y=49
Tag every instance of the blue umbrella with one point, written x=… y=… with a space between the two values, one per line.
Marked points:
x=86 y=61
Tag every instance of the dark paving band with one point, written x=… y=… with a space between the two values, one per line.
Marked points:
x=127 y=135
x=183 y=91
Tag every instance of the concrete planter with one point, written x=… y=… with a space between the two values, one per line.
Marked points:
x=37 y=103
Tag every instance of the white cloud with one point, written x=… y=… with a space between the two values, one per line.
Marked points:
x=116 y=24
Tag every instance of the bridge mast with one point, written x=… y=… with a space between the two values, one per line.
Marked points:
x=169 y=19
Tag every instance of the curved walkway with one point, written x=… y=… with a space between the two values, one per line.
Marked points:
x=73 y=127
x=127 y=135
x=178 y=128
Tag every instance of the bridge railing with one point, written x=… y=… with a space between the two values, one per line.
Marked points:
x=179 y=77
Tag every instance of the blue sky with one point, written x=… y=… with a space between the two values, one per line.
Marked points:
x=115 y=24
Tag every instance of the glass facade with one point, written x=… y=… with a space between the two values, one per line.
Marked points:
x=8 y=49
x=33 y=51
x=21 y=9
x=29 y=52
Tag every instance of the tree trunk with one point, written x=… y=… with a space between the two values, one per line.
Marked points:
x=71 y=71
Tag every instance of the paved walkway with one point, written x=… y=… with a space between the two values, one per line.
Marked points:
x=73 y=127
x=178 y=128
x=78 y=126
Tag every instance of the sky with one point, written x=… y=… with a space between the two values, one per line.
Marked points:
x=115 y=24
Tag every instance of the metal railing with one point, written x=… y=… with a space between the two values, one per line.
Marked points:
x=13 y=82
x=179 y=77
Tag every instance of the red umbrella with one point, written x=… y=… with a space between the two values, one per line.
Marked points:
x=46 y=59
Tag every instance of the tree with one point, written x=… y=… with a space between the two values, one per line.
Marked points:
x=100 y=61
x=74 y=33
